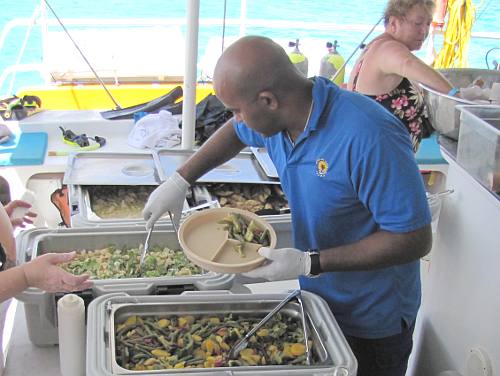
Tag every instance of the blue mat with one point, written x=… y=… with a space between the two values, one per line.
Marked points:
x=28 y=148
x=429 y=152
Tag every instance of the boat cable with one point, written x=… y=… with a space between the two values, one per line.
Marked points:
x=360 y=45
x=482 y=8
x=118 y=107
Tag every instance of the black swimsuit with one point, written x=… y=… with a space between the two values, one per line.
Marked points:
x=407 y=104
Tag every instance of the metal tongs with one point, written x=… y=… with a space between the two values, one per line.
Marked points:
x=148 y=236
x=146 y=247
x=242 y=343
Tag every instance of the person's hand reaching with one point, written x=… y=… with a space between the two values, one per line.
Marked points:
x=169 y=196
x=44 y=273
x=20 y=222
x=281 y=264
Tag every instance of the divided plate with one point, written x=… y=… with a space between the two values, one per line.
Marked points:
x=205 y=241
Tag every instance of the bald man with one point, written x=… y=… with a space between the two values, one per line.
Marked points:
x=359 y=211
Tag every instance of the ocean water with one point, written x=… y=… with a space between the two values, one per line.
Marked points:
x=350 y=12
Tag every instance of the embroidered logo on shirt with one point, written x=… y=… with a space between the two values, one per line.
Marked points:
x=321 y=167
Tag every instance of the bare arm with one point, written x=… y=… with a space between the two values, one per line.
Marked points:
x=219 y=148
x=44 y=273
x=378 y=250
x=395 y=58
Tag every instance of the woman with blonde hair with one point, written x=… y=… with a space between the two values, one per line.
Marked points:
x=388 y=71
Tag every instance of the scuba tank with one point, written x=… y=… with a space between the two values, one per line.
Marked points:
x=298 y=58
x=331 y=62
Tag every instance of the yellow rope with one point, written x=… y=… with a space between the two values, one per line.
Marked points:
x=461 y=17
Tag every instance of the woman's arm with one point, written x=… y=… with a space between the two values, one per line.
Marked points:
x=44 y=273
x=395 y=58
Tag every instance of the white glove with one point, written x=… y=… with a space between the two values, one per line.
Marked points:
x=285 y=263
x=169 y=196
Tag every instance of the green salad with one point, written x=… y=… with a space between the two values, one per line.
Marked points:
x=114 y=262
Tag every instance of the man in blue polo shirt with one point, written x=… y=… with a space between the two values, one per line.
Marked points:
x=359 y=212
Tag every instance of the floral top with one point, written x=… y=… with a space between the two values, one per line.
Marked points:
x=407 y=103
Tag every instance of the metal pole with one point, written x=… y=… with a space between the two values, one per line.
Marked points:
x=191 y=57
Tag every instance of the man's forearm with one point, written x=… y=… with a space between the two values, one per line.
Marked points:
x=219 y=148
x=378 y=250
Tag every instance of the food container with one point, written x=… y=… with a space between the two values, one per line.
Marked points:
x=242 y=175
x=331 y=353
x=479 y=144
x=443 y=114
x=40 y=306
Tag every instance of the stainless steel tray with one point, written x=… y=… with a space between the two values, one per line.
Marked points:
x=83 y=211
x=62 y=242
x=241 y=169
x=265 y=162
x=443 y=114
x=332 y=355
x=112 y=169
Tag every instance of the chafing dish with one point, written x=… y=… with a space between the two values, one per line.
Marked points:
x=331 y=353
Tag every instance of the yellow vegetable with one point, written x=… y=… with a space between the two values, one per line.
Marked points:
x=196 y=338
x=263 y=332
x=163 y=323
x=132 y=320
x=214 y=320
x=298 y=349
x=150 y=361
x=185 y=320
x=160 y=353
x=180 y=365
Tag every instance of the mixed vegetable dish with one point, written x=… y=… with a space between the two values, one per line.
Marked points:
x=165 y=342
x=244 y=231
x=114 y=262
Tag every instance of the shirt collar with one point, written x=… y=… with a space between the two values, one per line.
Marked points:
x=323 y=89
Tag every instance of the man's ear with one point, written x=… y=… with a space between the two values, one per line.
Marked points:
x=268 y=99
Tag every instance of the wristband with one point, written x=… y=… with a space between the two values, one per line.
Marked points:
x=315 y=264
x=453 y=91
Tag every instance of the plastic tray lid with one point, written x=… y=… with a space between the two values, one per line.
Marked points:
x=206 y=243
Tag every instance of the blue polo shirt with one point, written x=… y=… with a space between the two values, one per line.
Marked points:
x=351 y=173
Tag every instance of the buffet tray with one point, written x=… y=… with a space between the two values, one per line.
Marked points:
x=331 y=353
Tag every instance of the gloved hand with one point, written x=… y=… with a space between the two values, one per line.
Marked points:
x=169 y=196
x=285 y=263
x=44 y=273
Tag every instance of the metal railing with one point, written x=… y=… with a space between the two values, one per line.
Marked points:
x=39 y=19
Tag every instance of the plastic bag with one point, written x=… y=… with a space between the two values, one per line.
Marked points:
x=155 y=131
